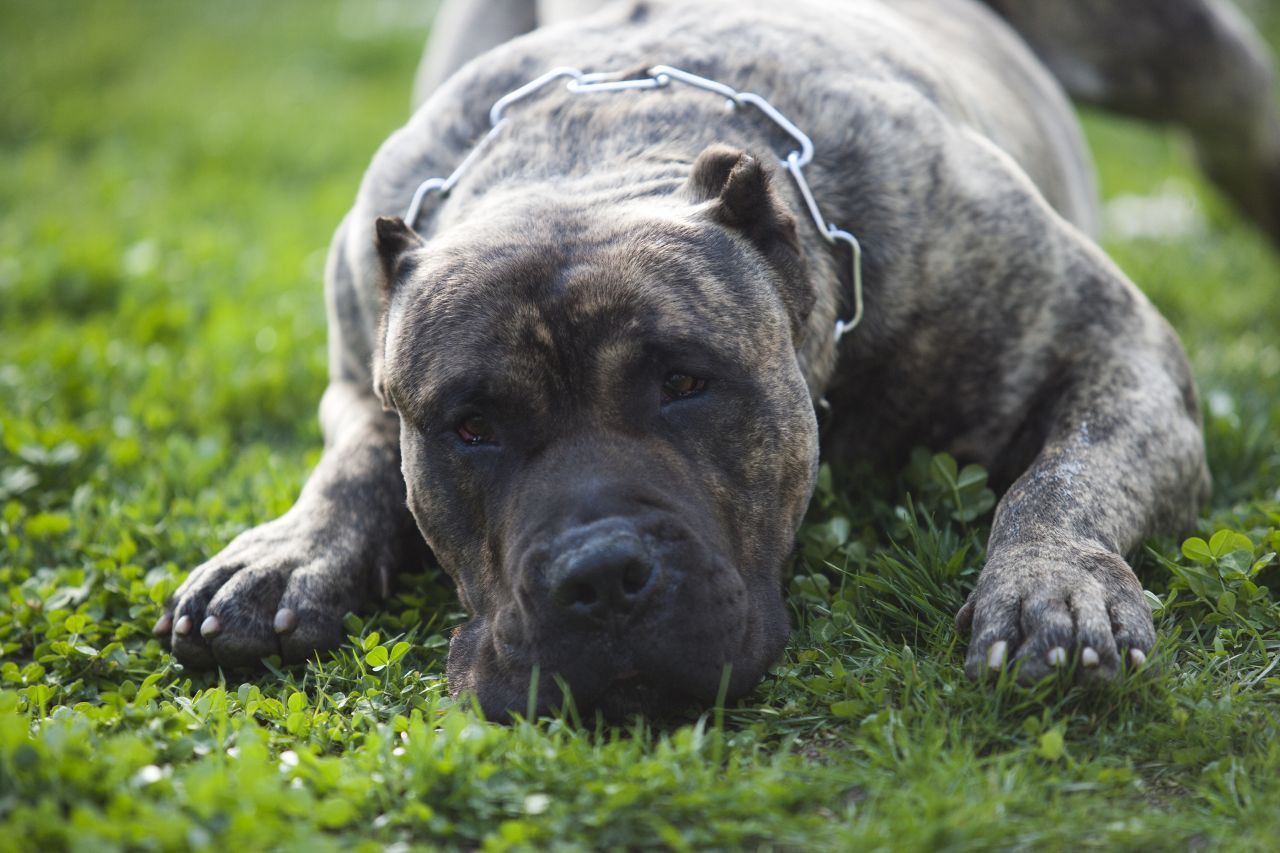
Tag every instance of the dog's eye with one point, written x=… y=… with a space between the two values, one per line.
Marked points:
x=476 y=429
x=681 y=386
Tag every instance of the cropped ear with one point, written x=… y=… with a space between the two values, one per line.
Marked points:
x=738 y=189
x=395 y=242
x=742 y=190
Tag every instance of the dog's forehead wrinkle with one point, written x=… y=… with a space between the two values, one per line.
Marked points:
x=690 y=295
x=584 y=167
x=565 y=303
x=598 y=189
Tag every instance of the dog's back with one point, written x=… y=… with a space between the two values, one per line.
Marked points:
x=956 y=53
x=1195 y=63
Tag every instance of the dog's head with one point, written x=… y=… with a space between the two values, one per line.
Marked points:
x=606 y=437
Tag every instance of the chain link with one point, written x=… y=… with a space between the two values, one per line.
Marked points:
x=661 y=76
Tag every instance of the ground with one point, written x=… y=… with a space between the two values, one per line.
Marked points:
x=171 y=174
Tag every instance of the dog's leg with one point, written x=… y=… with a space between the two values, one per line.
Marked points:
x=1123 y=458
x=284 y=587
x=1041 y=359
x=1198 y=63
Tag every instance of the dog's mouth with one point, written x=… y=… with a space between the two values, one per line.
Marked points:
x=700 y=633
x=649 y=688
x=618 y=685
x=618 y=698
x=633 y=694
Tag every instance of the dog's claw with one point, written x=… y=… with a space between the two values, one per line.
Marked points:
x=1137 y=657
x=210 y=626
x=163 y=625
x=286 y=620
x=997 y=654
x=183 y=626
x=1089 y=658
x=1057 y=656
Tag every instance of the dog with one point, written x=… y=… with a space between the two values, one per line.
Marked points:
x=583 y=381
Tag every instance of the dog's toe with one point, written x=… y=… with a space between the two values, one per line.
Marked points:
x=1067 y=635
x=1073 y=626
x=187 y=639
x=1049 y=628
x=277 y=589
x=239 y=625
x=309 y=618
x=1130 y=624
x=996 y=636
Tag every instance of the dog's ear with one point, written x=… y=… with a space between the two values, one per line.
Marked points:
x=742 y=195
x=738 y=191
x=396 y=242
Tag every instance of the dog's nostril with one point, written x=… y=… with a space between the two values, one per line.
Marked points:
x=635 y=577
x=581 y=593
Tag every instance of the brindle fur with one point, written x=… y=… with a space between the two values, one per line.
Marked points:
x=602 y=241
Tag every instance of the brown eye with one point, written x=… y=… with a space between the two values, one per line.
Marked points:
x=476 y=429
x=681 y=386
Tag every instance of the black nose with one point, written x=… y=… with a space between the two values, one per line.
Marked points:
x=609 y=573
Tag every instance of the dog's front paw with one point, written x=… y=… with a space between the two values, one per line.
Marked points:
x=1044 y=608
x=281 y=588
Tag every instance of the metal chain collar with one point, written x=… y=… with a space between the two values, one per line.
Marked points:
x=661 y=76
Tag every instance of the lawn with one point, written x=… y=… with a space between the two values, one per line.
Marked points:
x=169 y=180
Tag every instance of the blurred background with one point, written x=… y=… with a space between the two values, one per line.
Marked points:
x=170 y=175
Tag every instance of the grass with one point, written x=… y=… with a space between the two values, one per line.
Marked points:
x=170 y=177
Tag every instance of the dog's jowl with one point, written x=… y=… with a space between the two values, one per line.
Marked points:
x=583 y=381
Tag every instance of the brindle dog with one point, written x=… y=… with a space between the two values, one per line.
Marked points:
x=587 y=380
